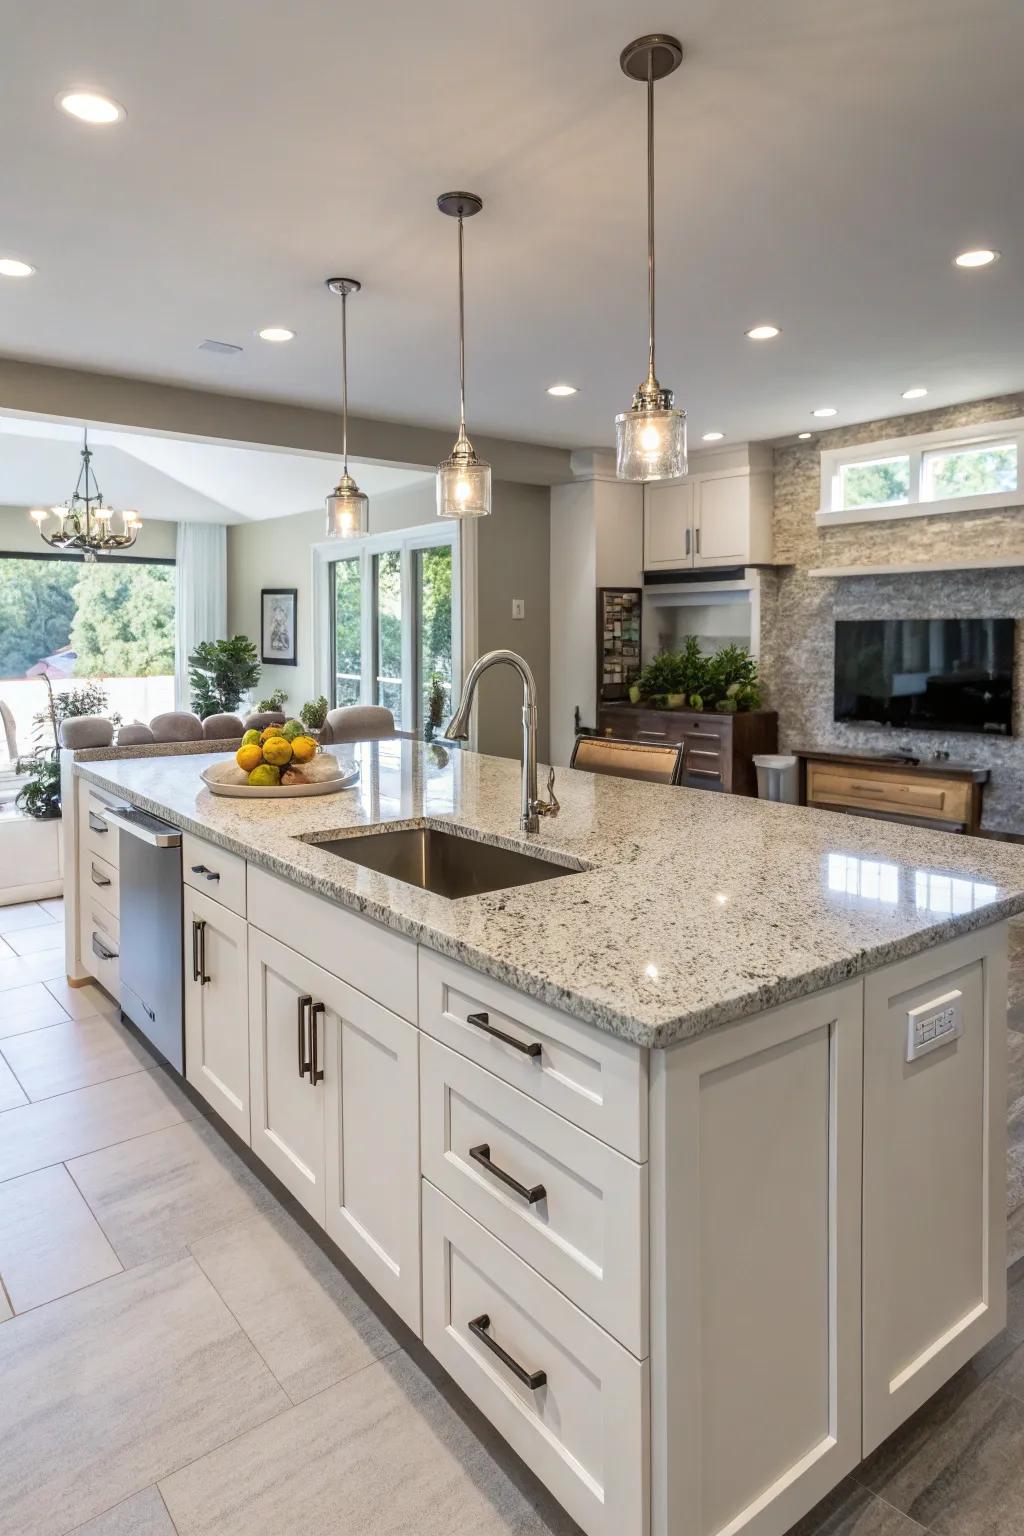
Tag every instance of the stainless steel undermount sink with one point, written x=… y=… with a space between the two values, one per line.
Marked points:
x=444 y=863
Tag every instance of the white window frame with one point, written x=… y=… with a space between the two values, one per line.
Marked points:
x=832 y=514
x=407 y=541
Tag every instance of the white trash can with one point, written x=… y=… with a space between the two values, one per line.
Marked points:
x=778 y=778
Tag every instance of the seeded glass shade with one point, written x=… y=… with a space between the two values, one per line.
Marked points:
x=463 y=487
x=650 y=444
x=348 y=511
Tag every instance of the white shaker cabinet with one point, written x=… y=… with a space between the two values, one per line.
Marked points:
x=216 y=1008
x=713 y=517
x=668 y=525
x=335 y=1113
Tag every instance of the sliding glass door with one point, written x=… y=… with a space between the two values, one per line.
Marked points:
x=347 y=606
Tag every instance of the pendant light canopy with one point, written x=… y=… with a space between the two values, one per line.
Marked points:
x=650 y=438
x=463 y=479
x=348 y=508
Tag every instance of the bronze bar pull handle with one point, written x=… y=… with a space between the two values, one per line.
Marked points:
x=532 y=1379
x=531 y=1194
x=195 y=950
x=302 y=1004
x=316 y=1072
x=200 y=924
x=482 y=1021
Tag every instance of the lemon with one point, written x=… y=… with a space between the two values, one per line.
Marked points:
x=271 y=730
x=249 y=757
x=303 y=749
x=251 y=739
x=265 y=774
x=277 y=750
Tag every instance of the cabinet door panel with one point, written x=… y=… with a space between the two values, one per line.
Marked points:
x=216 y=1009
x=286 y=1110
x=668 y=536
x=722 y=520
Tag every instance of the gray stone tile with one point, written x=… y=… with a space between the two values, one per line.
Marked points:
x=1009 y=1377
x=959 y=1472
x=155 y=1196
x=144 y=1514
x=28 y=1007
x=11 y=1092
x=1015 y=1306
x=1015 y=1237
x=1015 y=1017
x=110 y=1389
x=53 y=1130
x=853 y=1510
x=1014 y=1068
x=26 y=914
x=81 y=1002
x=5 y=1306
x=50 y=1242
x=74 y=1055
x=305 y=1319
x=384 y=1447
x=35 y=941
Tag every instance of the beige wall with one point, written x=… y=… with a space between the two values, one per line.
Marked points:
x=18 y=536
x=514 y=560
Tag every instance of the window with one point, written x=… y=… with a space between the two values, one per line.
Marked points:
x=956 y=470
x=394 y=622
x=110 y=621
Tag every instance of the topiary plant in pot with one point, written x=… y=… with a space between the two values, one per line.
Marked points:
x=220 y=673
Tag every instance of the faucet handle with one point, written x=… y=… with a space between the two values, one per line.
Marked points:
x=550 y=806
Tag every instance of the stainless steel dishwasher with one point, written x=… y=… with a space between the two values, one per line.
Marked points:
x=149 y=857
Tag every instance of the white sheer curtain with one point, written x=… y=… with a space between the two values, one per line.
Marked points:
x=202 y=601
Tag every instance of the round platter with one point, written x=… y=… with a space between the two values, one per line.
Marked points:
x=342 y=780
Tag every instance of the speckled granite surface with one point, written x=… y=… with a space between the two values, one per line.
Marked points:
x=694 y=909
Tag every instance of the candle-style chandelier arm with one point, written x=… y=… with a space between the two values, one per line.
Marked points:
x=85 y=523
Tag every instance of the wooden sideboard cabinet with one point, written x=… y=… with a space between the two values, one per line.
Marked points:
x=931 y=793
x=718 y=750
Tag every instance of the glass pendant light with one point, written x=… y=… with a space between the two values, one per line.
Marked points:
x=348 y=508
x=650 y=438
x=463 y=479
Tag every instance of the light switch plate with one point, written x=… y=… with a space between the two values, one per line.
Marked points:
x=519 y=608
x=934 y=1024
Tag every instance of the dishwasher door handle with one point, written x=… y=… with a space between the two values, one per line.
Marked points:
x=166 y=837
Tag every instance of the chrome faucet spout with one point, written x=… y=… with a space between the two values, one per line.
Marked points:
x=458 y=730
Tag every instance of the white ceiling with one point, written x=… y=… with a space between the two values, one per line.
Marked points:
x=819 y=166
x=173 y=479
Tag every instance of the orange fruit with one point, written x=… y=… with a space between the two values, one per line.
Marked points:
x=249 y=757
x=303 y=749
x=277 y=750
x=271 y=730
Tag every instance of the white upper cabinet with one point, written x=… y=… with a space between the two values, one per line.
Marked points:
x=718 y=516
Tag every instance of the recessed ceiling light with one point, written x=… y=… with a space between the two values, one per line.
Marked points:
x=713 y=437
x=10 y=266
x=981 y=258
x=562 y=389
x=825 y=410
x=804 y=435
x=91 y=107
x=917 y=393
x=276 y=333
x=763 y=332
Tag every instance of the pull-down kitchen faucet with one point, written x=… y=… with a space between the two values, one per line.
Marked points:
x=533 y=808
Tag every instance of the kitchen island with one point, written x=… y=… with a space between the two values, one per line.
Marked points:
x=686 y=1162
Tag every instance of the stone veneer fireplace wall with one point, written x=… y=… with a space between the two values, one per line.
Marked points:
x=798 y=610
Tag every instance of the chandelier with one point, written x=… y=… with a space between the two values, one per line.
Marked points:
x=85 y=522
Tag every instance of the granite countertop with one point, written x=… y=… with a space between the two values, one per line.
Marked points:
x=693 y=908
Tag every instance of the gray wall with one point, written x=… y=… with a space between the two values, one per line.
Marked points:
x=799 y=611
x=514 y=560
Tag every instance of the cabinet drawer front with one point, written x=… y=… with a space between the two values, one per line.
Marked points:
x=96 y=837
x=945 y=799
x=216 y=1008
x=100 y=884
x=357 y=950
x=214 y=871
x=586 y=1233
x=583 y=1430
x=596 y=1080
x=100 y=942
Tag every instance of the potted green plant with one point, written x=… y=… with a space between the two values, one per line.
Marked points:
x=220 y=673
x=40 y=795
x=275 y=702
x=313 y=714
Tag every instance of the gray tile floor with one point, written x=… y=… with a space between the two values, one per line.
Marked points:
x=178 y=1354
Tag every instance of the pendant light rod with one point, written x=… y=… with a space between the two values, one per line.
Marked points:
x=347 y=506
x=650 y=213
x=462 y=330
x=344 y=286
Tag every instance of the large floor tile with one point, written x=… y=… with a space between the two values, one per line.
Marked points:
x=145 y=1514
x=54 y=1130
x=965 y=1473
x=29 y=1007
x=114 y=1387
x=381 y=1454
x=53 y=907
x=50 y=1242
x=1015 y=1237
x=853 y=1510
x=26 y=914
x=34 y=941
x=82 y=1002
x=155 y=1196
x=20 y=970
x=11 y=1093
x=5 y=1306
x=73 y=1055
x=305 y=1319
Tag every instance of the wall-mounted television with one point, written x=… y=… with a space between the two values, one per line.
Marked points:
x=926 y=674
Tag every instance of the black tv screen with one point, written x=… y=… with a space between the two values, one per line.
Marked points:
x=926 y=674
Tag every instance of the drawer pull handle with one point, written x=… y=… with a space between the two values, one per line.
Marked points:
x=302 y=1004
x=657 y=735
x=482 y=1021
x=201 y=869
x=316 y=1071
x=199 y=951
x=97 y=878
x=482 y=1155
x=97 y=825
x=99 y=948
x=532 y=1379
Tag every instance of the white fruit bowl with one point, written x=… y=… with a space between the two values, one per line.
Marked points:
x=222 y=779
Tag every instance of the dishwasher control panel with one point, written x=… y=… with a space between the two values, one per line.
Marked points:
x=934 y=1024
